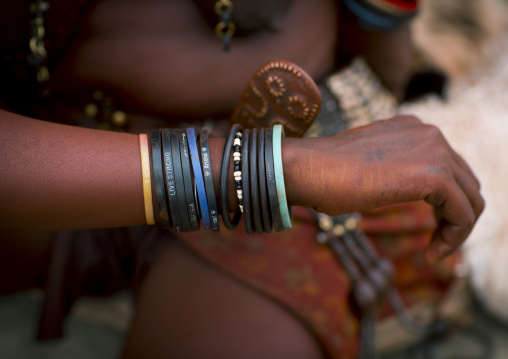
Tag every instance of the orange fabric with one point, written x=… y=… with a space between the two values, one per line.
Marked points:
x=304 y=276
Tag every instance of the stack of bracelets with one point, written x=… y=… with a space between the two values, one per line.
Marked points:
x=178 y=173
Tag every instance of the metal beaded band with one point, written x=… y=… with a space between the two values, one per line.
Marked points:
x=187 y=180
x=207 y=175
x=270 y=182
x=265 y=205
x=169 y=178
x=285 y=212
x=247 y=219
x=158 y=181
x=147 y=181
x=225 y=28
x=237 y=161
x=198 y=178
x=37 y=56
x=179 y=181
x=226 y=154
x=254 y=185
x=155 y=204
x=330 y=118
x=361 y=95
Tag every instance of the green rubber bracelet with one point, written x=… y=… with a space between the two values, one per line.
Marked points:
x=285 y=212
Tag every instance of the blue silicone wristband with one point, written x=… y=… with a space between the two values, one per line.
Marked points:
x=198 y=177
x=285 y=212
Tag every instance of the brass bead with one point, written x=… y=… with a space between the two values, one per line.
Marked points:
x=38 y=31
x=43 y=74
x=119 y=118
x=325 y=223
x=40 y=7
x=339 y=230
x=223 y=5
x=225 y=28
x=37 y=47
x=91 y=110
x=351 y=224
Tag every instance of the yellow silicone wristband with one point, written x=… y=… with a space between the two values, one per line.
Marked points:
x=147 y=180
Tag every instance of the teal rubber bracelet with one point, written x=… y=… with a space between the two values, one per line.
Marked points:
x=285 y=212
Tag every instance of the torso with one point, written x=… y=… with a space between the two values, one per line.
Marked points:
x=160 y=56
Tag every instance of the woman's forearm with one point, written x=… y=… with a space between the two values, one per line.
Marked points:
x=62 y=177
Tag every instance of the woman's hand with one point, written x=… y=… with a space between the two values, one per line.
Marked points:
x=391 y=161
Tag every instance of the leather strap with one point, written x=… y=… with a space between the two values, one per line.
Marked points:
x=179 y=181
x=263 y=191
x=230 y=223
x=247 y=203
x=188 y=181
x=254 y=185
x=169 y=177
x=158 y=182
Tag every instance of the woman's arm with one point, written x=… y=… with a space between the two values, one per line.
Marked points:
x=55 y=176
x=61 y=177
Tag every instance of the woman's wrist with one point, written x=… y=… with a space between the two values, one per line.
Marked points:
x=299 y=161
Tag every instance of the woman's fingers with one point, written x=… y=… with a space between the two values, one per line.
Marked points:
x=463 y=164
x=462 y=206
x=471 y=187
x=457 y=216
x=456 y=198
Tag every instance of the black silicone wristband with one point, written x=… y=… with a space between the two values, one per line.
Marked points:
x=162 y=213
x=226 y=156
x=270 y=180
x=179 y=182
x=254 y=185
x=247 y=209
x=155 y=202
x=169 y=178
x=188 y=181
x=206 y=167
x=198 y=207
x=263 y=191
